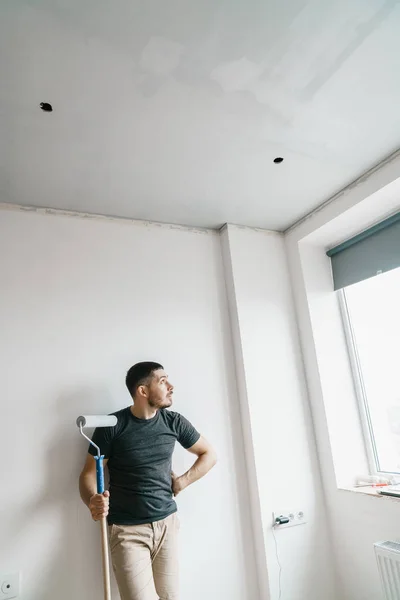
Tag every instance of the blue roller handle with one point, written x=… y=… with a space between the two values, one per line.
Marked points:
x=100 y=474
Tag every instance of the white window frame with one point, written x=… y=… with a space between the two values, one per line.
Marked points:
x=365 y=417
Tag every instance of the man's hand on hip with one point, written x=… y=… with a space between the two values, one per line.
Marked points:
x=99 y=505
x=178 y=484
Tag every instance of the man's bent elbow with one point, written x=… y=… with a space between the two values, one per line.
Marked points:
x=213 y=458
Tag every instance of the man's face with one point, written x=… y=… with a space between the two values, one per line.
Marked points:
x=160 y=390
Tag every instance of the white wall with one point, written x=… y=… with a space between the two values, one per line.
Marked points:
x=280 y=445
x=82 y=299
x=357 y=520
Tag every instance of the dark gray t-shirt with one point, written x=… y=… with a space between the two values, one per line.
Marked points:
x=139 y=456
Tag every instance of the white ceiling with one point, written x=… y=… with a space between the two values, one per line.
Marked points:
x=173 y=111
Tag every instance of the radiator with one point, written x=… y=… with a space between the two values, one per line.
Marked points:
x=388 y=557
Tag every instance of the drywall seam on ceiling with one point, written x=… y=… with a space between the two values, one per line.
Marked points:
x=99 y=217
x=248 y=228
x=391 y=158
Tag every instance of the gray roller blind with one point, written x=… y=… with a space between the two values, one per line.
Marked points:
x=374 y=251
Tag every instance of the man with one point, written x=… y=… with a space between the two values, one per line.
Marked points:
x=143 y=525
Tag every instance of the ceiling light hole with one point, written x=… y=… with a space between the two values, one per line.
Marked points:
x=46 y=107
x=278 y=160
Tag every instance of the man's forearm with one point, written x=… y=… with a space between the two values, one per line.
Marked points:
x=87 y=487
x=201 y=467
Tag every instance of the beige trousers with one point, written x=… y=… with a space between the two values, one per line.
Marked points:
x=145 y=559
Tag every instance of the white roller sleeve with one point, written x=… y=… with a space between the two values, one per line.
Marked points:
x=97 y=420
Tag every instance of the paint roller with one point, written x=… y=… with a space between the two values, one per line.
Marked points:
x=94 y=421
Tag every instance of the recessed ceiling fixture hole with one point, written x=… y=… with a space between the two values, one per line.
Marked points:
x=46 y=107
x=278 y=160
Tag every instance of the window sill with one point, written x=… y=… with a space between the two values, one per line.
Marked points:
x=369 y=491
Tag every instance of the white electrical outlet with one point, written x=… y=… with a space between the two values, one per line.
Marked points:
x=9 y=586
x=296 y=517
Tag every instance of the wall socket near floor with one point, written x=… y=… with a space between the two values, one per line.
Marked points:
x=9 y=586
x=296 y=517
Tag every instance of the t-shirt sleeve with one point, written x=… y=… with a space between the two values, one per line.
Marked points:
x=187 y=434
x=102 y=437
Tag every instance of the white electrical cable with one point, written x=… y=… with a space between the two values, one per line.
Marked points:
x=279 y=563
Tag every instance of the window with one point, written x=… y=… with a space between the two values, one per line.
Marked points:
x=372 y=315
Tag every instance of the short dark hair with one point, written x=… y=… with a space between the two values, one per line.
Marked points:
x=140 y=374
